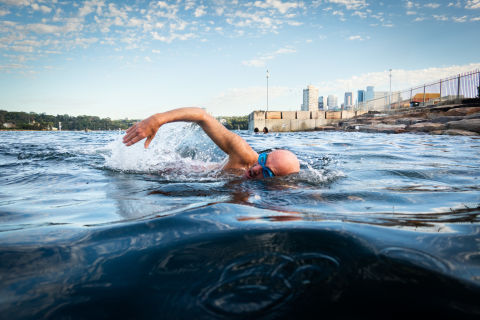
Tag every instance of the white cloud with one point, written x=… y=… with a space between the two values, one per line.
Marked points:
x=456 y=5
x=410 y=13
x=200 y=11
x=350 y=4
x=419 y=19
x=173 y=36
x=294 y=23
x=254 y=63
x=284 y=51
x=42 y=8
x=440 y=17
x=117 y=13
x=475 y=19
x=4 y=12
x=460 y=19
x=13 y=66
x=21 y=48
x=362 y=15
x=472 y=4
x=262 y=60
x=42 y=28
x=257 y=19
x=189 y=4
x=282 y=7
x=180 y=25
x=358 y=38
x=84 y=42
x=16 y=2
x=432 y=5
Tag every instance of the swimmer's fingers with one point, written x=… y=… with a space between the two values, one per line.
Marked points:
x=143 y=129
x=149 y=139
x=129 y=136
x=133 y=140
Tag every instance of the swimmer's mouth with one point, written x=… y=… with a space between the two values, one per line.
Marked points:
x=248 y=174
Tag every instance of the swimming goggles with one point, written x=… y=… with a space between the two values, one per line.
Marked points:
x=262 y=159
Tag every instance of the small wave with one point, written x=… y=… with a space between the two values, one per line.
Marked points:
x=44 y=155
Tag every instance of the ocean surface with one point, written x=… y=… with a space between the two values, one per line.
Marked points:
x=374 y=226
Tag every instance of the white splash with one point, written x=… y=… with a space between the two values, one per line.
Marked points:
x=178 y=151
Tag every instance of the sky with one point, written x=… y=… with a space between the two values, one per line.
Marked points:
x=130 y=59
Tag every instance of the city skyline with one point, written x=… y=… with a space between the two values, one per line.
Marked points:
x=131 y=59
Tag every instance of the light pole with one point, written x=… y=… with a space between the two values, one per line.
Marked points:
x=268 y=75
x=390 y=96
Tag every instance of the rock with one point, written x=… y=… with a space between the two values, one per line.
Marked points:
x=426 y=126
x=382 y=128
x=389 y=121
x=464 y=111
x=446 y=119
x=408 y=121
x=473 y=116
x=421 y=115
x=465 y=124
x=457 y=132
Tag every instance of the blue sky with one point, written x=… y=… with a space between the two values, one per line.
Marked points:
x=130 y=59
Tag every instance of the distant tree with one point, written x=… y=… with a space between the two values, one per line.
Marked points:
x=235 y=123
x=42 y=121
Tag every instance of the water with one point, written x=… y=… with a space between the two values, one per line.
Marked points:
x=374 y=226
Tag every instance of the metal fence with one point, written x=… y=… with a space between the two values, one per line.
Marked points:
x=455 y=88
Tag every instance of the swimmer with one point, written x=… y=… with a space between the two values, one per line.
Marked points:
x=265 y=130
x=241 y=156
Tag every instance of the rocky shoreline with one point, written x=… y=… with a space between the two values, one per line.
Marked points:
x=446 y=119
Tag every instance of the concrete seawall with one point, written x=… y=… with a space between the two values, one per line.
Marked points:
x=286 y=121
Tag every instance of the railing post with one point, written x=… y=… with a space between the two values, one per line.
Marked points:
x=424 y=95
x=440 y=91
x=458 y=88
x=478 y=88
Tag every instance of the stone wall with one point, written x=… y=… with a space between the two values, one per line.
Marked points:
x=285 y=121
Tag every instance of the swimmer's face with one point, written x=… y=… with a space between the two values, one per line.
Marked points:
x=279 y=162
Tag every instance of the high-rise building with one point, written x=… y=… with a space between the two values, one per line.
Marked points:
x=360 y=96
x=348 y=100
x=310 y=99
x=332 y=101
x=322 y=103
x=370 y=94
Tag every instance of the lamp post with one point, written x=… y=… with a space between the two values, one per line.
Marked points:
x=268 y=75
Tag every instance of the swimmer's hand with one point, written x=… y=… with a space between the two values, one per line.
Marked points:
x=144 y=129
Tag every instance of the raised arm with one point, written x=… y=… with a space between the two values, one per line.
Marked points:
x=239 y=151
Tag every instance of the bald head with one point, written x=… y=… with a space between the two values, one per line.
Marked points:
x=280 y=162
x=283 y=162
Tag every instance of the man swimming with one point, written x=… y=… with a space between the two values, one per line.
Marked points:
x=240 y=155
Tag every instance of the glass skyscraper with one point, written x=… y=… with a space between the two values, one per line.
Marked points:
x=361 y=96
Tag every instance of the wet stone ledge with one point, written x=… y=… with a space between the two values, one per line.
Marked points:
x=455 y=119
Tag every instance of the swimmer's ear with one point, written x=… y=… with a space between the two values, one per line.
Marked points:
x=149 y=139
